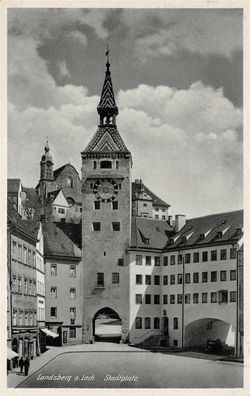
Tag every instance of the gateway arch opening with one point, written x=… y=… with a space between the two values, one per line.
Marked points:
x=201 y=332
x=107 y=326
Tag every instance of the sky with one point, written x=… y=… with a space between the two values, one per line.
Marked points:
x=177 y=77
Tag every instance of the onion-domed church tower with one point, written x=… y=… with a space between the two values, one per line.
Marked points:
x=106 y=217
x=46 y=173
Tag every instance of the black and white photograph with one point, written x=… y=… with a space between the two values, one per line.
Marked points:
x=125 y=249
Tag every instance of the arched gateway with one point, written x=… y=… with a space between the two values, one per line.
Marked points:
x=107 y=325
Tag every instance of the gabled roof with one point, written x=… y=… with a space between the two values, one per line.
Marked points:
x=156 y=200
x=73 y=231
x=22 y=225
x=149 y=233
x=57 y=243
x=212 y=229
x=57 y=172
x=32 y=199
x=13 y=185
x=106 y=139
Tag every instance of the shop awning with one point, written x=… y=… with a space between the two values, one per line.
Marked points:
x=11 y=354
x=50 y=333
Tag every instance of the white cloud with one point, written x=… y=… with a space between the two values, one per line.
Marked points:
x=185 y=142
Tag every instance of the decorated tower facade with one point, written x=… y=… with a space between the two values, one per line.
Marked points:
x=46 y=172
x=106 y=219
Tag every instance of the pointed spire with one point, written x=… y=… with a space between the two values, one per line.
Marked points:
x=46 y=148
x=107 y=108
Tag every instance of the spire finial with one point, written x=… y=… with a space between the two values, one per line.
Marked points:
x=47 y=145
x=107 y=56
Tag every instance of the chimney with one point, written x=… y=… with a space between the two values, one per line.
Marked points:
x=137 y=181
x=180 y=221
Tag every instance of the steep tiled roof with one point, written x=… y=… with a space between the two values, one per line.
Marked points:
x=59 y=170
x=106 y=138
x=156 y=200
x=73 y=231
x=33 y=226
x=149 y=233
x=107 y=103
x=13 y=185
x=32 y=199
x=22 y=225
x=212 y=229
x=57 y=243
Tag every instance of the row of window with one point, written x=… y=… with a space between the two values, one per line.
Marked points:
x=21 y=253
x=72 y=314
x=23 y=285
x=148 y=260
x=53 y=270
x=115 y=226
x=156 y=323
x=24 y=317
x=222 y=296
x=72 y=292
x=188 y=257
x=196 y=278
x=195 y=257
x=100 y=278
x=147 y=323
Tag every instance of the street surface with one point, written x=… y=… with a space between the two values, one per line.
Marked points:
x=108 y=327
x=105 y=365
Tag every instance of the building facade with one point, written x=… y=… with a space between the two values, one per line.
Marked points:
x=23 y=297
x=63 y=286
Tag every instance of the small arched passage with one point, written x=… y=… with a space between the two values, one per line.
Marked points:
x=199 y=332
x=107 y=325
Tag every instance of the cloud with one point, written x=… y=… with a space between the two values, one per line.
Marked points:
x=63 y=70
x=45 y=23
x=165 y=32
x=79 y=37
x=186 y=143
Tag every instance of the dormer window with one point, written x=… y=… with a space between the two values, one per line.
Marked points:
x=219 y=234
x=202 y=237
x=106 y=164
x=238 y=231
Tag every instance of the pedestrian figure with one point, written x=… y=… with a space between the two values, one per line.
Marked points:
x=26 y=365
x=21 y=363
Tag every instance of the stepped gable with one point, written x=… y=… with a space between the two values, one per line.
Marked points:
x=212 y=229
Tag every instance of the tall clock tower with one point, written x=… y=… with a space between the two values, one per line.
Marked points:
x=106 y=217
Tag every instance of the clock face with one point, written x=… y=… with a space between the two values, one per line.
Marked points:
x=105 y=190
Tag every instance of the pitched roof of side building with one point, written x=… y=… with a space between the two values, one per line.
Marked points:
x=210 y=230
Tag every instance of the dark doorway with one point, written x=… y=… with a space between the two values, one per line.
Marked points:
x=107 y=326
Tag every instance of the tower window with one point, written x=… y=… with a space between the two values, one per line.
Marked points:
x=94 y=164
x=97 y=205
x=106 y=165
x=114 y=205
x=116 y=226
x=117 y=164
x=96 y=226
